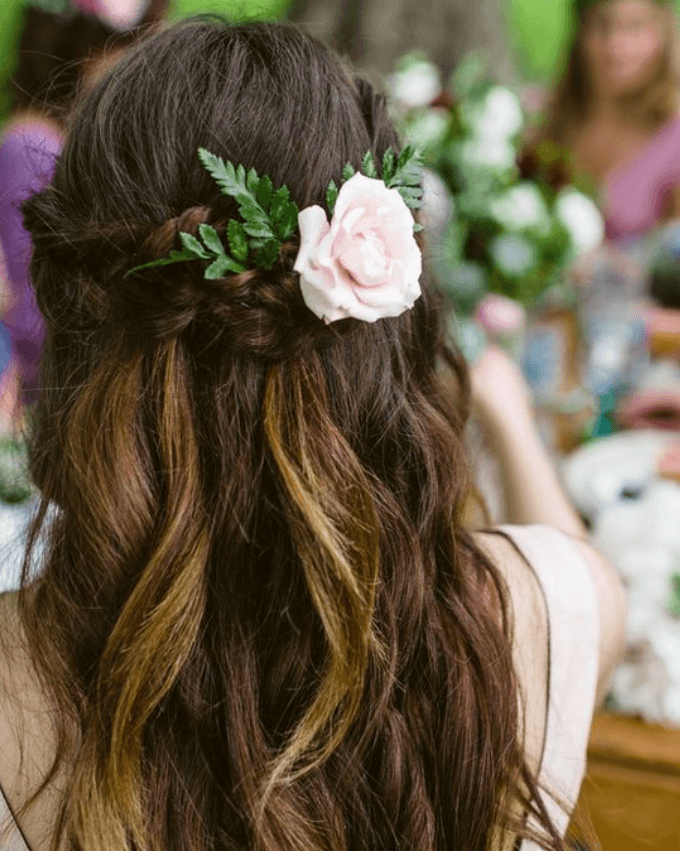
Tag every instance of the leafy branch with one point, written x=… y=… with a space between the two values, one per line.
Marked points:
x=270 y=217
x=403 y=173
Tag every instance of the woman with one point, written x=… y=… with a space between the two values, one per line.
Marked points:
x=259 y=621
x=58 y=51
x=616 y=109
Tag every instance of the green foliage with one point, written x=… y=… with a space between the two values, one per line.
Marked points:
x=473 y=140
x=268 y=217
x=331 y=196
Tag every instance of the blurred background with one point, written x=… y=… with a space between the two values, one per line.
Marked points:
x=535 y=30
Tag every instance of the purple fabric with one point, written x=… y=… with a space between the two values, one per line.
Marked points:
x=636 y=193
x=27 y=159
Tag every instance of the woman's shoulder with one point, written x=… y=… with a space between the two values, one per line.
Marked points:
x=25 y=726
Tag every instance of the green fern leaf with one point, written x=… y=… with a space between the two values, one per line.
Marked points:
x=238 y=241
x=279 y=203
x=368 y=165
x=389 y=165
x=261 y=230
x=331 y=196
x=211 y=239
x=221 y=267
x=226 y=176
x=289 y=222
x=268 y=254
x=264 y=192
x=348 y=172
x=191 y=244
x=252 y=182
x=173 y=257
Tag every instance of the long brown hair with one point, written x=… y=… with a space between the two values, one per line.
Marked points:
x=654 y=105
x=268 y=628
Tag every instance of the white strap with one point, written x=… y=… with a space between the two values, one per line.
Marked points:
x=574 y=625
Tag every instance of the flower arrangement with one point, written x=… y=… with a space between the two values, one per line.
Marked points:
x=504 y=216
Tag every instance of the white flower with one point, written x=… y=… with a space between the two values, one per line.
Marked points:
x=498 y=116
x=437 y=207
x=417 y=85
x=428 y=128
x=522 y=206
x=582 y=219
x=366 y=262
x=491 y=153
x=514 y=255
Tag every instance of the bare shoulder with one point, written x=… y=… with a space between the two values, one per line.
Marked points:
x=530 y=645
x=25 y=719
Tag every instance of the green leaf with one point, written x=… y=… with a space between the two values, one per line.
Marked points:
x=331 y=196
x=252 y=212
x=264 y=192
x=238 y=241
x=279 y=202
x=289 y=221
x=221 y=267
x=417 y=227
x=412 y=203
x=211 y=239
x=405 y=156
x=252 y=182
x=231 y=182
x=173 y=257
x=415 y=193
x=409 y=170
x=258 y=229
x=256 y=243
x=348 y=172
x=268 y=255
x=241 y=176
x=192 y=245
x=389 y=165
x=368 y=165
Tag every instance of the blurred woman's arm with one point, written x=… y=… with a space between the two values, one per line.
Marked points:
x=534 y=494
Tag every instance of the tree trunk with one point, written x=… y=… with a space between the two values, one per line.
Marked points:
x=375 y=33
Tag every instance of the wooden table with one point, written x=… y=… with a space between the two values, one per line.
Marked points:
x=632 y=789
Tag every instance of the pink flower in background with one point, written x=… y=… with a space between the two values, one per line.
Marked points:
x=366 y=263
x=500 y=316
x=119 y=14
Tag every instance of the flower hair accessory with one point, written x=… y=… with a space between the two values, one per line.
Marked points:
x=365 y=263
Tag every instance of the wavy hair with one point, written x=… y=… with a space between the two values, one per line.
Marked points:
x=656 y=104
x=268 y=627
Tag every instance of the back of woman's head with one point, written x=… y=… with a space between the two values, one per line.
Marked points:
x=270 y=630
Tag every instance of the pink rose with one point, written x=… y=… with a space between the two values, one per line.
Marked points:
x=366 y=262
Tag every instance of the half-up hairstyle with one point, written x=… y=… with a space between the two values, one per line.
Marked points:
x=269 y=630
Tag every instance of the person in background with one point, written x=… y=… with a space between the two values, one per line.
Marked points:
x=616 y=108
x=259 y=619
x=62 y=46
